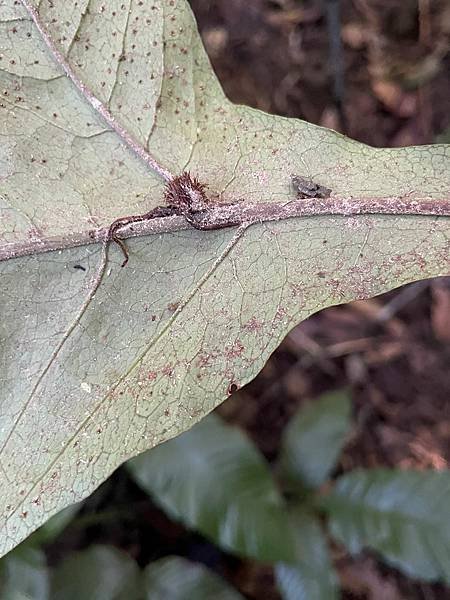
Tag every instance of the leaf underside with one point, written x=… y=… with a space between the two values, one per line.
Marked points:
x=160 y=343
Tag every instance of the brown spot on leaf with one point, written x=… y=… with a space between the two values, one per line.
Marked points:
x=235 y=350
x=167 y=370
x=253 y=325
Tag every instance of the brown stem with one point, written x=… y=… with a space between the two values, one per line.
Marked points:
x=97 y=104
x=229 y=215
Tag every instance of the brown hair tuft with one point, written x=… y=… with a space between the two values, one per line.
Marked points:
x=187 y=193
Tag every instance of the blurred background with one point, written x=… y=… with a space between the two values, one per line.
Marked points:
x=392 y=83
x=387 y=84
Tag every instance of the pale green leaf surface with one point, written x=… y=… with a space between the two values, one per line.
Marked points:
x=81 y=393
x=314 y=438
x=214 y=480
x=403 y=515
x=313 y=576
x=175 y=578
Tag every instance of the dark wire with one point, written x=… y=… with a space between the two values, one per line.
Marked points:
x=333 y=13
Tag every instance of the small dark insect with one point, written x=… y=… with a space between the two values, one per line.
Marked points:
x=306 y=188
x=79 y=267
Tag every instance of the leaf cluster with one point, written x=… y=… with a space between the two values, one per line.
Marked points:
x=215 y=481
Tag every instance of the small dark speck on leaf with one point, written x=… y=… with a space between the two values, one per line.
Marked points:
x=79 y=267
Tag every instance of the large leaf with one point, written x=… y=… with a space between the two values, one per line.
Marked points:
x=314 y=438
x=101 y=572
x=24 y=575
x=214 y=480
x=89 y=380
x=175 y=578
x=312 y=577
x=404 y=515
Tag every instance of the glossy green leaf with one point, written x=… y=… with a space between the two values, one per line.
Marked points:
x=100 y=572
x=24 y=575
x=403 y=515
x=87 y=381
x=214 y=480
x=313 y=576
x=314 y=439
x=175 y=578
